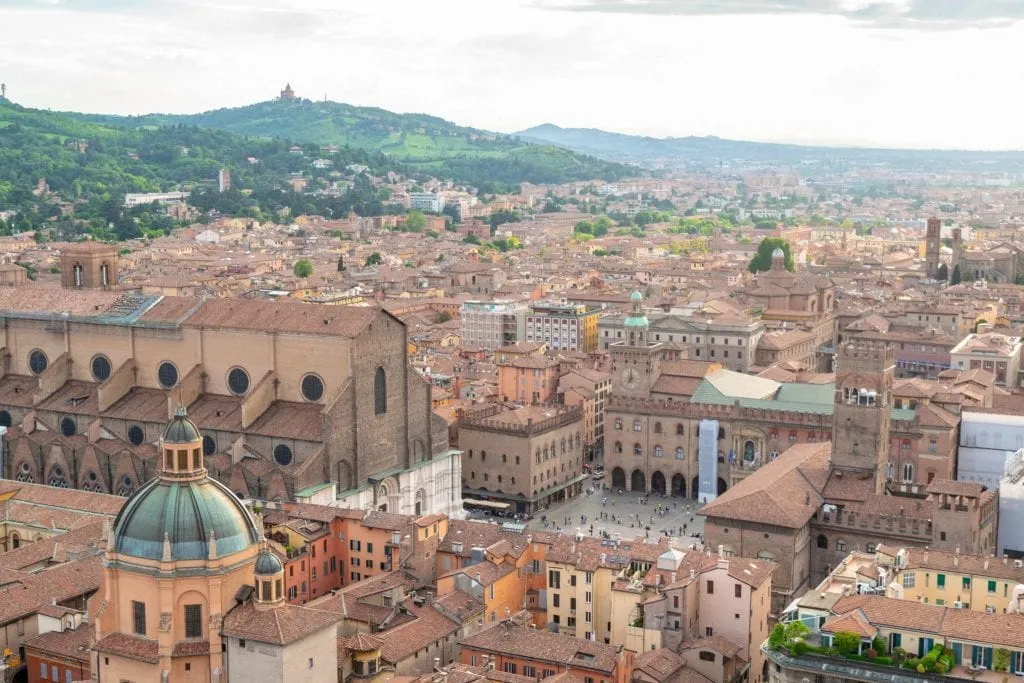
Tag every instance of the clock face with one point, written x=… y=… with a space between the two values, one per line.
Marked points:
x=630 y=378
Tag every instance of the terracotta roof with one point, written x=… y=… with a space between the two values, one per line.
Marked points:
x=955 y=488
x=131 y=647
x=190 y=648
x=363 y=642
x=286 y=317
x=72 y=643
x=428 y=627
x=786 y=492
x=506 y=638
x=717 y=643
x=277 y=626
x=852 y=622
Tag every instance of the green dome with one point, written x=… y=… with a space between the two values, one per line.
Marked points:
x=636 y=296
x=636 y=321
x=186 y=512
x=181 y=429
x=267 y=564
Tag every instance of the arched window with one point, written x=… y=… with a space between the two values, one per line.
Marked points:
x=823 y=541
x=105 y=274
x=679 y=429
x=658 y=452
x=680 y=454
x=78 y=274
x=657 y=428
x=889 y=470
x=618 y=446
x=380 y=392
x=637 y=450
x=636 y=425
x=908 y=471
x=618 y=423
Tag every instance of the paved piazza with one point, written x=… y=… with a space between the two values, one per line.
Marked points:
x=625 y=508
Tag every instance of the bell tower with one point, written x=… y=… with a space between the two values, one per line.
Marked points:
x=89 y=265
x=861 y=413
x=636 y=361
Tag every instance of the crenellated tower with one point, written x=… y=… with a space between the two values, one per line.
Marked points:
x=861 y=415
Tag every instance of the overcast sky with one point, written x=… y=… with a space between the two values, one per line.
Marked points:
x=913 y=73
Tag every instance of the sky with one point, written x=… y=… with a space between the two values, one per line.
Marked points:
x=894 y=73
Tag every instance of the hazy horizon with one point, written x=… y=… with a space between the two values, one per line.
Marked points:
x=881 y=74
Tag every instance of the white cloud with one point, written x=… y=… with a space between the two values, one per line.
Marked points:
x=506 y=65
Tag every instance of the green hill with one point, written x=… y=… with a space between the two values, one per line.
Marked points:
x=418 y=141
x=89 y=165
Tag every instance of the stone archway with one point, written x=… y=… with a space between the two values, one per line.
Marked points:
x=722 y=486
x=638 y=482
x=618 y=478
x=679 y=485
x=658 y=483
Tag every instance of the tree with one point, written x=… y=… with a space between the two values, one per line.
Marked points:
x=374 y=259
x=955 y=277
x=341 y=263
x=442 y=317
x=762 y=260
x=846 y=642
x=415 y=222
x=942 y=273
x=471 y=239
x=303 y=268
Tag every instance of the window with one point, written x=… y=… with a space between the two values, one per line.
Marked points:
x=42 y=670
x=37 y=362
x=679 y=429
x=966 y=583
x=529 y=671
x=940 y=580
x=139 y=617
x=554 y=579
x=167 y=374
x=636 y=425
x=991 y=586
x=658 y=452
x=380 y=392
x=100 y=368
x=711 y=588
x=193 y=621
x=68 y=427
x=283 y=455
x=312 y=388
x=706 y=656
x=841 y=545
x=369 y=547
x=510 y=667
x=822 y=541
x=555 y=600
x=209 y=445
x=908 y=472
x=738 y=590
x=136 y=435
x=238 y=381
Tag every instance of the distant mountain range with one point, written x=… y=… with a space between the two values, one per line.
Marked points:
x=710 y=153
x=420 y=142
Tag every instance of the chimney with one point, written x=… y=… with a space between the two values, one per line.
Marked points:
x=721 y=551
x=673 y=577
x=986 y=563
x=925 y=556
x=478 y=578
x=1005 y=559
x=956 y=557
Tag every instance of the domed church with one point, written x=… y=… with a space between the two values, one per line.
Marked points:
x=180 y=555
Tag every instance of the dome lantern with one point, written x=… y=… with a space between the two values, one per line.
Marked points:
x=269 y=579
x=182 y=447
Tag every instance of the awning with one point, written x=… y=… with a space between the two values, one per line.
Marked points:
x=490 y=504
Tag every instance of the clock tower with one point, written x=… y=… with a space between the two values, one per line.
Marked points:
x=636 y=361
